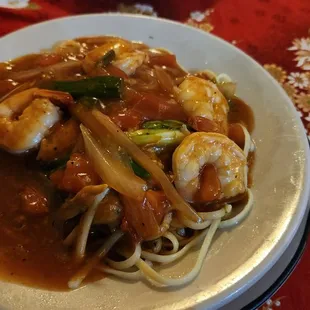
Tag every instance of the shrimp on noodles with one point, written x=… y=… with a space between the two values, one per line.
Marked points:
x=199 y=150
x=202 y=98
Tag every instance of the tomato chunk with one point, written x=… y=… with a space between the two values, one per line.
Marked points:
x=112 y=70
x=123 y=117
x=143 y=218
x=60 y=142
x=77 y=174
x=235 y=133
x=200 y=123
x=210 y=186
x=167 y=60
x=159 y=108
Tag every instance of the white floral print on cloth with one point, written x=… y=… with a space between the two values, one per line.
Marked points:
x=137 y=8
x=302 y=52
x=297 y=83
x=201 y=20
x=14 y=4
x=272 y=304
x=19 y=4
x=299 y=80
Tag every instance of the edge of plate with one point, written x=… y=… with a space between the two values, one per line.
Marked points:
x=272 y=257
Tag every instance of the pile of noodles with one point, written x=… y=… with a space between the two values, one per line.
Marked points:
x=171 y=244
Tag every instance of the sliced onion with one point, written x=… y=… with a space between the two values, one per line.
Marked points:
x=111 y=169
x=139 y=156
x=100 y=123
x=58 y=68
x=19 y=88
x=164 y=79
x=228 y=89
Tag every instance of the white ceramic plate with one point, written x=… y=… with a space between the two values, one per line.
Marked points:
x=238 y=258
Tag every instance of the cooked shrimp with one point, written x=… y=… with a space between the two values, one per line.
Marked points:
x=127 y=58
x=202 y=98
x=69 y=47
x=201 y=149
x=26 y=117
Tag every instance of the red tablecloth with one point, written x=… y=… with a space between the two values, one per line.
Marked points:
x=274 y=32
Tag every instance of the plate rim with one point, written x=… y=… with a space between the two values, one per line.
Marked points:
x=237 y=288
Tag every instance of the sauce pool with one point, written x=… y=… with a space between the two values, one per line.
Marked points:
x=31 y=250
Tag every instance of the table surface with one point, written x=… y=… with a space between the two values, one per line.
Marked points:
x=274 y=32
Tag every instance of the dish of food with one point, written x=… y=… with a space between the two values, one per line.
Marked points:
x=140 y=161
x=112 y=179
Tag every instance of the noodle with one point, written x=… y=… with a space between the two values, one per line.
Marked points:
x=77 y=279
x=214 y=215
x=71 y=237
x=165 y=223
x=133 y=276
x=158 y=245
x=240 y=216
x=129 y=262
x=248 y=144
x=154 y=276
x=166 y=259
x=174 y=241
x=193 y=225
x=85 y=224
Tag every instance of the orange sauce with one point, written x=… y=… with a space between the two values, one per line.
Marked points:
x=31 y=250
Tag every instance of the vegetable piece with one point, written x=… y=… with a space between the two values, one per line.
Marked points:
x=80 y=202
x=139 y=171
x=200 y=123
x=165 y=80
x=115 y=71
x=60 y=142
x=154 y=107
x=159 y=203
x=158 y=137
x=228 y=89
x=140 y=218
x=99 y=123
x=110 y=210
x=77 y=279
x=85 y=224
x=77 y=174
x=55 y=69
x=168 y=60
x=99 y=86
x=50 y=167
x=17 y=89
x=88 y=102
x=123 y=117
x=111 y=168
x=165 y=124
x=145 y=217
x=236 y=133
x=210 y=186
x=107 y=58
